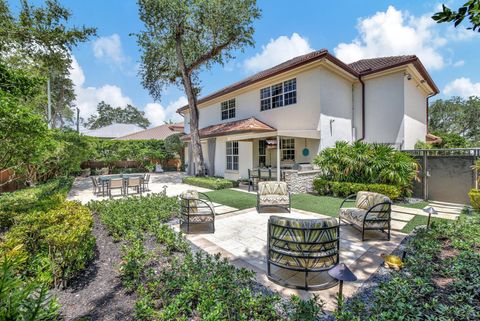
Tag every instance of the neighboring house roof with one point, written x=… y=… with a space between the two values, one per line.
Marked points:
x=357 y=69
x=159 y=132
x=373 y=65
x=113 y=130
x=249 y=125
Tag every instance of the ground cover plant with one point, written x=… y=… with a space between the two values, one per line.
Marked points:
x=365 y=163
x=174 y=283
x=440 y=281
x=214 y=183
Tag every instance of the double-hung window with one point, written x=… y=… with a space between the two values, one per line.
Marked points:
x=228 y=109
x=232 y=156
x=288 y=149
x=278 y=95
x=262 y=152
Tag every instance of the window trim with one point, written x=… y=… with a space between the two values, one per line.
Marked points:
x=291 y=148
x=229 y=107
x=267 y=97
x=232 y=155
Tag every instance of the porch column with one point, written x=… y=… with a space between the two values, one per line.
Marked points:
x=278 y=158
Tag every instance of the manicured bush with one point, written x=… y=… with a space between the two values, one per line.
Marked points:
x=344 y=189
x=58 y=242
x=440 y=280
x=474 y=195
x=367 y=164
x=210 y=182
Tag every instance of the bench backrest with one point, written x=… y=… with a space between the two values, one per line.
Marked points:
x=272 y=188
x=365 y=200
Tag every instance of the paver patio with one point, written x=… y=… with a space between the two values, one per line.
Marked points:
x=241 y=237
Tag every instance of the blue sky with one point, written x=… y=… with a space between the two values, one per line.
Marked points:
x=106 y=67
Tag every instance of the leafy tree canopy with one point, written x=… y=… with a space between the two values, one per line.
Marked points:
x=108 y=115
x=456 y=116
x=183 y=36
x=470 y=10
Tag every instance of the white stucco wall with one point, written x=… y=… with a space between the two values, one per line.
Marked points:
x=384 y=109
x=336 y=101
x=415 y=114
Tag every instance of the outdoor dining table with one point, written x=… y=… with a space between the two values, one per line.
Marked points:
x=103 y=180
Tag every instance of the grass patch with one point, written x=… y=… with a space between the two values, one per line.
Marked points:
x=214 y=183
x=326 y=205
x=236 y=199
x=419 y=205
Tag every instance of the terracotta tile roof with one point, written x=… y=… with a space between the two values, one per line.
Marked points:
x=373 y=65
x=283 y=67
x=249 y=125
x=358 y=68
x=160 y=132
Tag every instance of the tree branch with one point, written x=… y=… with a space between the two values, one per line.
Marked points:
x=212 y=53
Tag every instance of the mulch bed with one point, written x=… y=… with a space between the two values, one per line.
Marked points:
x=97 y=294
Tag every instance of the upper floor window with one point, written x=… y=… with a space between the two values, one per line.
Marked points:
x=279 y=95
x=228 y=109
x=232 y=155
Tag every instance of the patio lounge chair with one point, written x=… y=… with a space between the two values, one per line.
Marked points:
x=116 y=183
x=273 y=194
x=372 y=211
x=303 y=245
x=196 y=208
x=135 y=183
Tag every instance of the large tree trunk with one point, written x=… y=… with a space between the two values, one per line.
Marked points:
x=192 y=104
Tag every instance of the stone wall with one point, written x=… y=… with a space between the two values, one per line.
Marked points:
x=300 y=181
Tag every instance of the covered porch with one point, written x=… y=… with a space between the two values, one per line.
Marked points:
x=233 y=149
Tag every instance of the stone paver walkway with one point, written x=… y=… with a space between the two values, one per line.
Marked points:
x=241 y=237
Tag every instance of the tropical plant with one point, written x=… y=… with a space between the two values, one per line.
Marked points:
x=183 y=37
x=367 y=163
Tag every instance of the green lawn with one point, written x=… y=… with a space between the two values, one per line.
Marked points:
x=326 y=205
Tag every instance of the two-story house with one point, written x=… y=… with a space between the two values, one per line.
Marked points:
x=286 y=114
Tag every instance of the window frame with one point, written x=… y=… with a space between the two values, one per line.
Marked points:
x=228 y=108
x=232 y=156
x=279 y=95
x=288 y=153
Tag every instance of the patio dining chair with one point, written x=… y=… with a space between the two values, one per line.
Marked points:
x=146 y=180
x=196 y=209
x=253 y=178
x=303 y=245
x=96 y=187
x=115 y=183
x=135 y=183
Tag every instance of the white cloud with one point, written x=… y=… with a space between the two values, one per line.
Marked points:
x=462 y=87
x=157 y=114
x=89 y=97
x=109 y=49
x=395 y=32
x=459 y=63
x=277 y=51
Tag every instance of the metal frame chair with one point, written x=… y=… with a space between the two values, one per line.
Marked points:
x=286 y=206
x=115 y=185
x=146 y=180
x=303 y=245
x=133 y=182
x=96 y=186
x=377 y=209
x=195 y=211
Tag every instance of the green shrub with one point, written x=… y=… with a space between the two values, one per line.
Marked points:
x=440 y=280
x=210 y=182
x=59 y=240
x=474 y=195
x=344 y=189
x=367 y=164
x=23 y=298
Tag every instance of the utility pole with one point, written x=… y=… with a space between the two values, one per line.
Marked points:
x=49 y=106
x=78 y=120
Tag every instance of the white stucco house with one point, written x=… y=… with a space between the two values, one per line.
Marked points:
x=285 y=115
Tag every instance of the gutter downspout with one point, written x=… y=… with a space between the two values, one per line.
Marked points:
x=363 y=109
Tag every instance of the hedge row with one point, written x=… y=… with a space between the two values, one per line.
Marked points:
x=474 y=195
x=344 y=189
x=210 y=182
